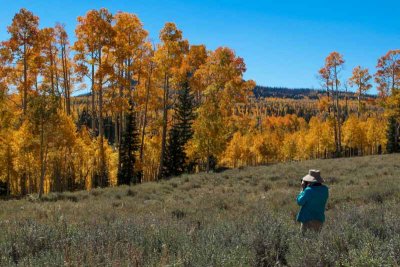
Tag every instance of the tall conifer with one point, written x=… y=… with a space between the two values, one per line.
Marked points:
x=180 y=133
x=128 y=149
x=392 y=141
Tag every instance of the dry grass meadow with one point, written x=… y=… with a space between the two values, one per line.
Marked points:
x=241 y=217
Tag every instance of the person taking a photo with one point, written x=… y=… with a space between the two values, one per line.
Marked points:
x=312 y=199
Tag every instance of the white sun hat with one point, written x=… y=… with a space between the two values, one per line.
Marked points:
x=313 y=176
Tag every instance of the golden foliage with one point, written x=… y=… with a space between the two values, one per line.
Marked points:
x=45 y=147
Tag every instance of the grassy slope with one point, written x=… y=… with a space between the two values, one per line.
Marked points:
x=238 y=217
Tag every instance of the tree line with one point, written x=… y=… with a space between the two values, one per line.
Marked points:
x=173 y=106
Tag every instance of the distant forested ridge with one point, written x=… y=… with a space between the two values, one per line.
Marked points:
x=285 y=92
x=297 y=93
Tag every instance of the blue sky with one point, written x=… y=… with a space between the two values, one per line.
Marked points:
x=284 y=43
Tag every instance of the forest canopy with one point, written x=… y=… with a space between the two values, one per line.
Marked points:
x=159 y=110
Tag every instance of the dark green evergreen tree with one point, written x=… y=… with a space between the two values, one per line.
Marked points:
x=392 y=136
x=127 y=151
x=180 y=133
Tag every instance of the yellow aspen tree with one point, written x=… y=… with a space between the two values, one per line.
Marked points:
x=233 y=152
x=197 y=56
x=66 y=78
x=354 y=135
x=48 y=59
x=146 y=94
x=361 y=79
x=324 y=75
x=7 y=120
x=210 y=133
x=388 y=76
x=376 y=134
x=22 y=45
x=261 y=148
x=334 y=65
x=44 y=105
x=328 y=137
x=95 y=38
x=168 y=57
x=314 y=137
x=388 y=79
x=221 y=81
x=129 y=43
x=289 y=147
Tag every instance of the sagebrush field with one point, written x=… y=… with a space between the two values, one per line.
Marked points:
x=240 y=217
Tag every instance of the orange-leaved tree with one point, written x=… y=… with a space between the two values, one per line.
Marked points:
x=95 y=38
x=388 y=79
x=168 y=58
x=22 y=50
x=334 y=65
x=362 y=80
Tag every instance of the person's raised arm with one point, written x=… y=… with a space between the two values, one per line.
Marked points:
x=303 y=197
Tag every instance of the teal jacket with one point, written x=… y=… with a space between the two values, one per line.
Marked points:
x=312 y=201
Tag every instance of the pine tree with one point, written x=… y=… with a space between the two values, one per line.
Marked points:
x=392 y=143
x=128 y=149
x=175 y=155
x=180 y=133
x=184 y=112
